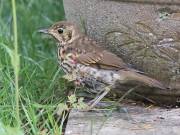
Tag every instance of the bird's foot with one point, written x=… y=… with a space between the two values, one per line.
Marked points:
x=97 y=99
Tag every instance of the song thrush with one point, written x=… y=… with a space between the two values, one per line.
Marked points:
x=85 y=60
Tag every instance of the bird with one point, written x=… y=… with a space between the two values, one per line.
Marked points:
x=84 y=59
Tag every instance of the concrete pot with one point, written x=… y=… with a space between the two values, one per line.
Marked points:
x=145 y=33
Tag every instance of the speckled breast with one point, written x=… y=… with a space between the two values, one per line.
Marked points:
x=66 y=63
x=85 y=74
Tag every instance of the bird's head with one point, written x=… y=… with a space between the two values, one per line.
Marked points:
x=64 y=32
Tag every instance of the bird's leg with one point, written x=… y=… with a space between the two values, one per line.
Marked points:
x=97 y=95
x=98 y=98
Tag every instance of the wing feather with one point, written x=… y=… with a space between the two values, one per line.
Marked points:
x=105 y=60
x=95 y=55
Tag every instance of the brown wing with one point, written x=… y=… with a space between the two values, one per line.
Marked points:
x=96 y=56
x=104 y=60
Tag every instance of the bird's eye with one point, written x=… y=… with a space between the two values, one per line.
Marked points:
x=60 y=30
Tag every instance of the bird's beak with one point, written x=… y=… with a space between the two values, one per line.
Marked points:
x=46 y=31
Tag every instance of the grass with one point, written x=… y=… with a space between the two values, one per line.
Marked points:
x=15 y=62
x=30 y=82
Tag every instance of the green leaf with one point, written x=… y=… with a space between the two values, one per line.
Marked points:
x=6 y=130
x=81 y=103
x=72 y=99
x=60 y=108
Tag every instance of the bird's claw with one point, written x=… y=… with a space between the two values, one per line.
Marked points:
x=96 y=100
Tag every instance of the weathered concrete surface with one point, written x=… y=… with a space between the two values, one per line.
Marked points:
x=145 y=33
x=132 y=120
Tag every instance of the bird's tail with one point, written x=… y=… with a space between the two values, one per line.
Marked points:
x=133 y=76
